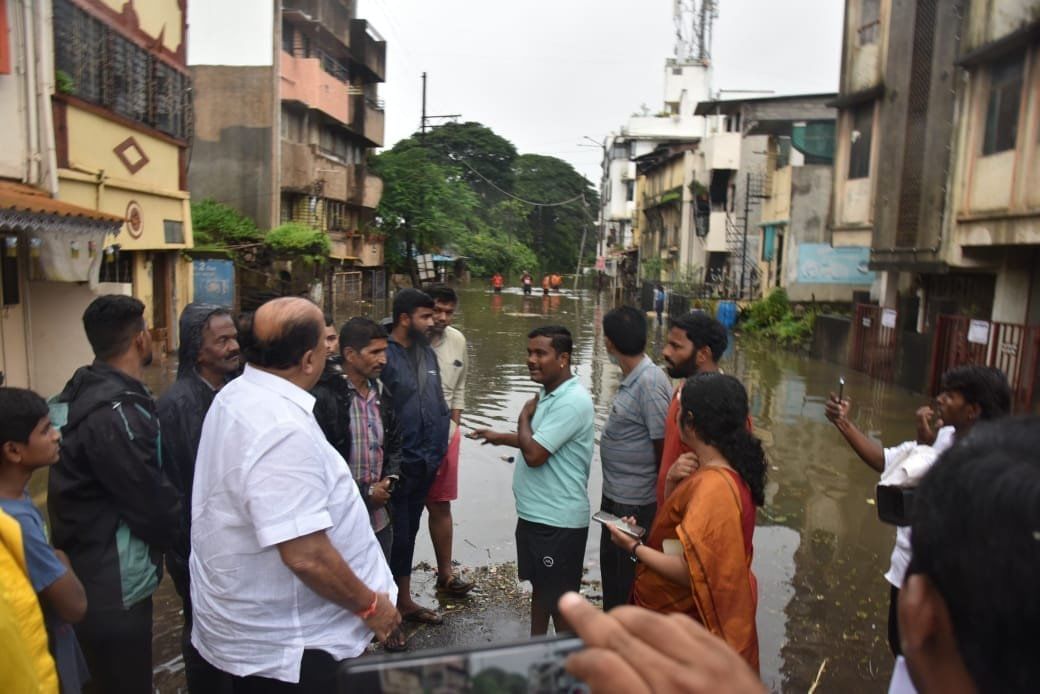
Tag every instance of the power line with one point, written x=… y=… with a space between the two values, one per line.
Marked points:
x=579 y=196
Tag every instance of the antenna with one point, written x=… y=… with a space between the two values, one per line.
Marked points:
x=694 y=20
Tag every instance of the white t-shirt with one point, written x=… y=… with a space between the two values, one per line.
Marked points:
x=266 y=474
x=901 y=552
x=451 y=359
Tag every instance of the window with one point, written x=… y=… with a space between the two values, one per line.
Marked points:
x=859 y=150
x=333 y=141
x=287 y=38
x=292 y=125
x=620 y=151
x=105 y=68
x=116 y=267
x=630 y=190
x=1005 y=96
x=869 y=22
x=173 y=231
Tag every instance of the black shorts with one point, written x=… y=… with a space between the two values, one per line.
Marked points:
x=550 y=558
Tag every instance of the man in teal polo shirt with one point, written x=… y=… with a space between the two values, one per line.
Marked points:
x=554 y=434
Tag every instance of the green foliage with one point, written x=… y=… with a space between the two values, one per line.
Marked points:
x=218 y=226
x=298 y=241
x=651 y=269
x=64 y=83
x=434 y=200
x=774 y=319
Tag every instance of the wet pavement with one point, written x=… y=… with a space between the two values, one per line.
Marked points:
x=820 y=551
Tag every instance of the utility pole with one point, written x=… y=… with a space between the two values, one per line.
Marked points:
x=425 y=118
x=743 y=252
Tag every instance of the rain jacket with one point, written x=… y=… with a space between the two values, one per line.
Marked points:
x=333 y=397
x=182 y=409
x=422 y=413
x=112 y=510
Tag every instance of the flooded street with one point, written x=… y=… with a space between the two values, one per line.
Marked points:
x=820 y=551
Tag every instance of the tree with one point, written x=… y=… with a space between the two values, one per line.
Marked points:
x=555 y=232
x=475 y=151
x=423 y=206
x=217 y=226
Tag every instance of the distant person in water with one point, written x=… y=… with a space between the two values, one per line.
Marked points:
x=497 y=282
x=526 y=280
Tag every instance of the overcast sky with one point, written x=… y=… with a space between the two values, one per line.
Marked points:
x=545 y=73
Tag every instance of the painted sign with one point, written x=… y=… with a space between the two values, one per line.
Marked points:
x=978 y=332
x=888 y=318
x=214 y=282
x=819 y=263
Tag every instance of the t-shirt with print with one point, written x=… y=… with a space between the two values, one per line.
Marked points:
x=901 y=552
x=556 y=493
x=44 y=569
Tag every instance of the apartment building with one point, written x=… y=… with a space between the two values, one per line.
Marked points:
x=285 y=122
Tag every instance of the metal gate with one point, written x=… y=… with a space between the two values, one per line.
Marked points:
x=1010 y=347
x=873 y=348
x=346 y=291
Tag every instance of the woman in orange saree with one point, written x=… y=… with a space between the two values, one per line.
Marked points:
x=697 y=558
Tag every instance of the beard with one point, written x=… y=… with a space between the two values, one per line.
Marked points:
x=417 y=336
x=683 y=370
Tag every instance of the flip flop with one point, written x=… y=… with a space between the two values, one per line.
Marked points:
x=396 y=642
x=423 y=616
x=455 y=587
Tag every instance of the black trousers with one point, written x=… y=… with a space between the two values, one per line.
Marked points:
x=617 y=569
x=406 y=508
x=117 y=645
x=317 y=674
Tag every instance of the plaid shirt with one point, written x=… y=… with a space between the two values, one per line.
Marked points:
x=366 y=445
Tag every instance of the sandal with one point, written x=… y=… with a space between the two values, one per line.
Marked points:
x=455 y=587
x=423 y=616
x=396 y=642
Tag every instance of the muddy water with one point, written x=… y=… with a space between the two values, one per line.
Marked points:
x=819 y=550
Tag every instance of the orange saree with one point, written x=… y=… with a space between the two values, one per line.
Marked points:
x=711 y=515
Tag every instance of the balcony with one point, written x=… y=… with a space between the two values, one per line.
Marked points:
x=368 y=49
x=305 y=166
x=368 y=119
x=715 y=242
x=373 y=192
x=722 y=151
x=327 y=16
x=305 y=81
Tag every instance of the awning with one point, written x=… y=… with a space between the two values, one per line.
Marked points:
x=24 y=208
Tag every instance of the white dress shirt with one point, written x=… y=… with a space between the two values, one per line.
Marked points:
x=266 y=474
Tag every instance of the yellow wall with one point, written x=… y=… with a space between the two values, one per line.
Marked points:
x=157 y=17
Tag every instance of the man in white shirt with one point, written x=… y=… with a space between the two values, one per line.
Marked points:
x=287 y=577
x=967 y=394
x=449 y=344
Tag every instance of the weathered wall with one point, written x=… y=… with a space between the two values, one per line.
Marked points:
x=232 y=159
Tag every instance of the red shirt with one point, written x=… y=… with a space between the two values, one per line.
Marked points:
x=673 y=446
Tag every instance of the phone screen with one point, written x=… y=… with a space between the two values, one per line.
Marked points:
x=531 y=666
x=610 y=519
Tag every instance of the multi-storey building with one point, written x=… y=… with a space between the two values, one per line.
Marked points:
x=285 y=122
x=51 y=251
x=122 y=124
x=937 y=166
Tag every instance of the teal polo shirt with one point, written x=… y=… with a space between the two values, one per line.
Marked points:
x=556 y=493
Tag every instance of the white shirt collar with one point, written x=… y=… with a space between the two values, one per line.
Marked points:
x=280 y=386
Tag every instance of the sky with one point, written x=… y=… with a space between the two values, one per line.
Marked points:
x=545 y=74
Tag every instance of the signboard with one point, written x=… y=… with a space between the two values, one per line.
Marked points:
x=888 y=318
x=978 y=332
x=214 y=282
x=819 y=263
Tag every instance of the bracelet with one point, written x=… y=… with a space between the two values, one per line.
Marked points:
x=371 y=610
x=632 y=552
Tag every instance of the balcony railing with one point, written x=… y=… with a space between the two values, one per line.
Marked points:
x=368 y=48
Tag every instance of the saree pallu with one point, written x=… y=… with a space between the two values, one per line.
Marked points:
x=712 y=517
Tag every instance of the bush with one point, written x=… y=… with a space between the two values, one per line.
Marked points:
x=772 y=318
x=216 y=225
x=298 y=240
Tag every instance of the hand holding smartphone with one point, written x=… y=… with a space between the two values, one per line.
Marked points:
x=627 y=528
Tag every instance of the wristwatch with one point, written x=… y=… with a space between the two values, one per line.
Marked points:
x=632 y=552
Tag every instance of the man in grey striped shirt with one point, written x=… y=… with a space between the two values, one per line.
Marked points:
x=631 y=443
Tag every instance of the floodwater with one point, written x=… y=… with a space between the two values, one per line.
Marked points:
x=820 y=551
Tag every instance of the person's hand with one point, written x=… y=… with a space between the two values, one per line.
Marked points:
x=631 y=650
x=529 y=408
x=485 y=436
x=385 y=618
x=836 y=411
x=620 y=538
x=925 y=433
x=684 y=466
x=380 y=493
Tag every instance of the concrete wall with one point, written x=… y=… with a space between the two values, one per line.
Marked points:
x=233 y=158
x=59 y=345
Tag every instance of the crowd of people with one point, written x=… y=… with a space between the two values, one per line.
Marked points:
x=284 y=476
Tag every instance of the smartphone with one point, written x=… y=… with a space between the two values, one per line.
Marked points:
x=610 y=519
x=841 y=388
x=394 y=479
x=535 y=665
x=895 y=505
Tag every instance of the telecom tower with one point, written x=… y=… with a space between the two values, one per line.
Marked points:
x=693 y=24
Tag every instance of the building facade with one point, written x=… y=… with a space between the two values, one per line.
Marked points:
x=123 y=123
x=283 y=134
x=51 y=252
